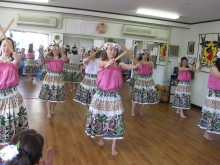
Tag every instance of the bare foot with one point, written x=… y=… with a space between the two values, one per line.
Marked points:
x=49 y=116
x=183 y=116
x=206 y=136
x=178 y=111
x=132 y=114
x=101 y=143
x=48 y=157
x=141 y=112
x=114 y=153
x=52 y=112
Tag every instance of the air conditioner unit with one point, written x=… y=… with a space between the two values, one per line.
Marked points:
x=35 y=20
x=139 y=31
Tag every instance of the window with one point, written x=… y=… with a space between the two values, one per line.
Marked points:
x=23 y=39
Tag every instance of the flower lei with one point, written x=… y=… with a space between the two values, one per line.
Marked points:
x=9 y=152
x=7 y=60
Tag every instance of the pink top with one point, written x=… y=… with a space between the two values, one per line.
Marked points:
x=30 y=56
x=109 y=79
x=184 y=75
x=55 y=65
x=8 y=75
x=214 y=82
x=145 y=70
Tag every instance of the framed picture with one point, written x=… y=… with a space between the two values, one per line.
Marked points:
x=190 y=49
x=173 y=50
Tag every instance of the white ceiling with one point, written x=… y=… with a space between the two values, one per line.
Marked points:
x=191 y=11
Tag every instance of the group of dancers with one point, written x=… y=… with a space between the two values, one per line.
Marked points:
x=99 y=91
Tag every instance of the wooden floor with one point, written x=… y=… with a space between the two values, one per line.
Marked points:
x=159 y=137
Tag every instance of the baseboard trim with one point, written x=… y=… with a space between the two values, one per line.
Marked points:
x=196 y=107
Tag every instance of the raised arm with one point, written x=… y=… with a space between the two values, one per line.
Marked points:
x=86 y=60
x=47 y=56
x=64 y=57
x=102 y=63
x=124 y=66
x=16 y=60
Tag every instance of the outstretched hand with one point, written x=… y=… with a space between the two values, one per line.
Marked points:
x=48 y=157
x=139 y=65
x=199 y=68
x=111 y=61
x=16 y=56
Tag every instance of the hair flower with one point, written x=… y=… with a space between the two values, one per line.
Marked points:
x=111 y=45
x=9 y=152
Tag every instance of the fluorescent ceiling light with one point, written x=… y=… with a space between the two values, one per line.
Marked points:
x=157 y=13
x=43 y=1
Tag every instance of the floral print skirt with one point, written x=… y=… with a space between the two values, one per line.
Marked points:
x=30 y=67
x=106 y=115
x=182 y=95
x=132 y=80
x=13 y=116
x=144 y=91
x=72 y=73
x=44 y=72
x=86 y=89
x=210 y=116
x=53 y=87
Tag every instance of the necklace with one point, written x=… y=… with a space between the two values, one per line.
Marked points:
x=56 y=58
x=5 y=60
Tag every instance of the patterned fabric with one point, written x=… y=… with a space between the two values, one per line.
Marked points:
x=86 y=89
x=182 y=95
x=144 y=90
x=210 y=116
x=132 y=80
x=43 y=73
x=53 y=87
x=13 y=116
x=106 y=115
x=72 y=73
x=30 y=67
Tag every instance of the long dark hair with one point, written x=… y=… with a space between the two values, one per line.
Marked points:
x=217 y=64
x=13 y=44
x=31 y=48
x=30 y=150
x=184 y=58
x=141 y=56
x=66 y=49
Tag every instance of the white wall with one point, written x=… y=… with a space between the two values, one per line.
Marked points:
x=76 y=25
x=199 y=84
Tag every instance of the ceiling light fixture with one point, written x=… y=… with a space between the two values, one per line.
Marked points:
x=41 y=1
x=157 y=13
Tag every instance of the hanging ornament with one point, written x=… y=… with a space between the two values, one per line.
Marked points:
x=101 y=28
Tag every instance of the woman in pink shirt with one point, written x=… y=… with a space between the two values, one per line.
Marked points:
x=144 y=91
x=210 y=116
x=183 y=93
x=52 y=89
x=30 y=67
x=13 y=116
x=106 y=114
